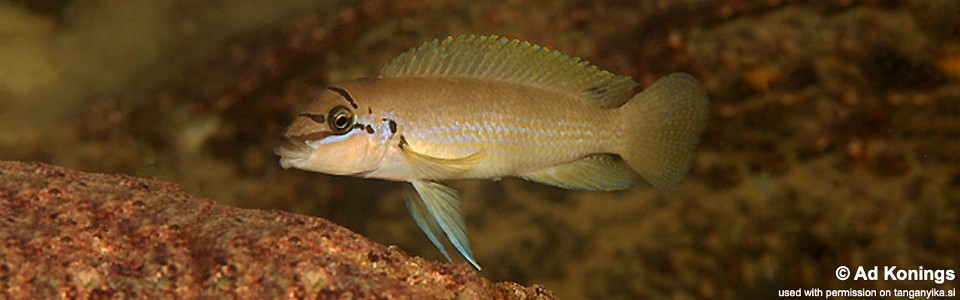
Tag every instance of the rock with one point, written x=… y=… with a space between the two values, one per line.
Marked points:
x=70 y=234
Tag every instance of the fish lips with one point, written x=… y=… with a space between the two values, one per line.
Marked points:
x=291 y=152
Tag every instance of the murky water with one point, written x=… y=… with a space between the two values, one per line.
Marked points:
x=832 y=139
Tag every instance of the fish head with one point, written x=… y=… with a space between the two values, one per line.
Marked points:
x=330 y=136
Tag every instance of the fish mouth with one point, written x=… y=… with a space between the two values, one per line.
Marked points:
x=291 y=152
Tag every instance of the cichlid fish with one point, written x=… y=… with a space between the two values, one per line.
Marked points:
x=486 y=107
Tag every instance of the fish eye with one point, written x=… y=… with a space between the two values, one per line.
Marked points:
x=341 y=119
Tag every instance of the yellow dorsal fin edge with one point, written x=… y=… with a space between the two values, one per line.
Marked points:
x=500 y=58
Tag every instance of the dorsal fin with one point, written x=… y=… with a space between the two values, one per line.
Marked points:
x=500 y=58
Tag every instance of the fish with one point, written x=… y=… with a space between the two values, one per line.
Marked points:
x=489 y=107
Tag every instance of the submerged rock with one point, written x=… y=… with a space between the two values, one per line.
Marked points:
x=65 y=233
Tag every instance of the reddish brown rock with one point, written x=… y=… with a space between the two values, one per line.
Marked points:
x=65 y=233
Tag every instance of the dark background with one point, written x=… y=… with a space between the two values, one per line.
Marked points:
x=833 y=137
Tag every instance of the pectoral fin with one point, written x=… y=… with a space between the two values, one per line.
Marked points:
x=596 y=172
x=438 y=209
x=437 y=168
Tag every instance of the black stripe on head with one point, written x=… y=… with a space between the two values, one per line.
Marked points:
x=315 y=117
x=343 y=93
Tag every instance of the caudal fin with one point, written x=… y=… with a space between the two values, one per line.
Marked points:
x=664 y=123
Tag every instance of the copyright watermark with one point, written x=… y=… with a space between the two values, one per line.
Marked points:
x=843 y=273
x=885 y=273
x=893 y=273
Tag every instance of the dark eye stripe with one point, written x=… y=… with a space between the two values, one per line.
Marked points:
x=345 y=95
x=313 y=136
x=315 y=117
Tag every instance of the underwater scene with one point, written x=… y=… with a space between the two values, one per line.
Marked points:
x=827 y=164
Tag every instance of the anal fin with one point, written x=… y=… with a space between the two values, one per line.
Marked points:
x=603 y=172
x=438 y=209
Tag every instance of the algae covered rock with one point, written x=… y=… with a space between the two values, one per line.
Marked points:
x=65 y=233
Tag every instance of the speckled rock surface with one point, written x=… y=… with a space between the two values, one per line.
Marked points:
x=65 y=233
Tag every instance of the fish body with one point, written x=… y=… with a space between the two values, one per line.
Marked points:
x=509 y=129
x=486 y=107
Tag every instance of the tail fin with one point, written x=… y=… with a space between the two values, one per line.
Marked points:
x=664 y=123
